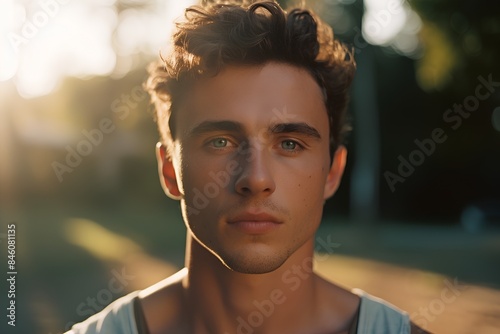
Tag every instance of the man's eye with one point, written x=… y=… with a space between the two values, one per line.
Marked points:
x=289 y=145
x=219 y=142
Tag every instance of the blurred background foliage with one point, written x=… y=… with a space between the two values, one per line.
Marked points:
x=82 y=62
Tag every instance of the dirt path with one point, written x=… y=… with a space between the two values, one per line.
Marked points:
x=437 y=303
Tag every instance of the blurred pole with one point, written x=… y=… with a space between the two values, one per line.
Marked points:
x=364 y=199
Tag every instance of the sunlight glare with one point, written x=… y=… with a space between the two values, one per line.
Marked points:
x=9 y=62
x=391 y=22
x=80 y=39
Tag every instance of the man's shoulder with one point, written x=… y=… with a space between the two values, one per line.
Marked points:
x=163 y=286
x=120 y=315
x=378 y=316
x=117 y=317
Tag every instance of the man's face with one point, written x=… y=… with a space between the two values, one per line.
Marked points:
x=251 y=164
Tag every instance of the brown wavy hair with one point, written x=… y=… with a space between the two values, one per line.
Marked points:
x=235 y=33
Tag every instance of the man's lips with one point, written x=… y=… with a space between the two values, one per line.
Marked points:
x=251 y=223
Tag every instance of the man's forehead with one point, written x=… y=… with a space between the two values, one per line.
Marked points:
x=267 y=115
x=275 y=91
x=256 y=97
x=276 y=79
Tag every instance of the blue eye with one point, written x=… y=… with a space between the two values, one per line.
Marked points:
x=219 y=142
x=289 y=145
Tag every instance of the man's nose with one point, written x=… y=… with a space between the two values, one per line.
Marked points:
x=256 y=176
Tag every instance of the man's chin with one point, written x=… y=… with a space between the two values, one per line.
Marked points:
x=253 y=264
x=252 y=269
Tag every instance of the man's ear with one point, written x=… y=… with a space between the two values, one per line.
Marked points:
x=166 y=172
x=336 y=171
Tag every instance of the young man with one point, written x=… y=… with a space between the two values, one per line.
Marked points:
x=251 y=109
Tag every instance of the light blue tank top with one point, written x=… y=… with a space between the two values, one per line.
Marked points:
x=376 y=316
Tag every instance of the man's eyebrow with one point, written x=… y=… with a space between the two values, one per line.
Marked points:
x=300 y=128
x=213 y=126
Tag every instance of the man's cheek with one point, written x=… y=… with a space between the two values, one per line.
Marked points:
x=203 y=195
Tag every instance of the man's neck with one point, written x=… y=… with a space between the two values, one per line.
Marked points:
x=221 y=299
x=207 y=297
